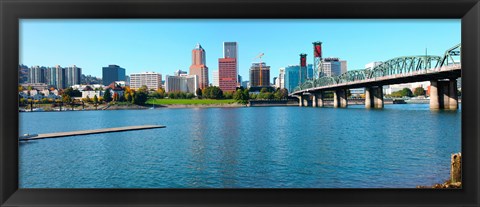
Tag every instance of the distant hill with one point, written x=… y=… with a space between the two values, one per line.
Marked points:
x=88 y=79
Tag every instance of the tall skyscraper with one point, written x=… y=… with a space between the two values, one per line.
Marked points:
x=227 y=74
x=112 y=73
x=199 y=67
x=60 y=79
x=228 y=67
x=257 y=80
x=150 y=79
x=230 y=50
x=281 y=79
x=292 y=77
x=72 y=75
x=36 y=74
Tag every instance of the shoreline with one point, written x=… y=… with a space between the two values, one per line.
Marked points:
x=136 y=107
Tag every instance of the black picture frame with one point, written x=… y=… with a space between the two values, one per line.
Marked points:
x=13 y=10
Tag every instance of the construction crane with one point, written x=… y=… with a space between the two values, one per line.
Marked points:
x=259 y=56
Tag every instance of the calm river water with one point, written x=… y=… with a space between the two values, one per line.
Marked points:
x=400 y=146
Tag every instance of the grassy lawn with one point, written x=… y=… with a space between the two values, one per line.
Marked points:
x=189 y=101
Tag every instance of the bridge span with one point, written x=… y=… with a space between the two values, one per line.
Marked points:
x=442 y=72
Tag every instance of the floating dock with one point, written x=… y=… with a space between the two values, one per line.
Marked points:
x=86 y=132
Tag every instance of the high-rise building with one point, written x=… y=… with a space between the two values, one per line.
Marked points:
x=112 y=73
x=227 y=74
x=72 y=75
x=36 y=74
x=199 y=67
x=257 y=78
x=181 y=83
x=343 y=66
x=291 y=77
x=51 y=76
x=331 y=67
x=150 y=79
x=60 y=77
x=230 y=50
x=281 y=78
x=215 y=81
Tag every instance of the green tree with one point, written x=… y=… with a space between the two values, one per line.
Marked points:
x=129 y=96
x=199 y=92
x=228 y=95
x=95 y=99
x=407 y=92
x=419 y=91
x=140 y=97
x=240 y=96
x=107 y=96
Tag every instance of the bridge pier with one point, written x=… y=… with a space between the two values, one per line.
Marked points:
x=340 y=98
x=300 y=100
x=443 y=94
x=378 y=97
x=368 y=97
x=374 y=97
x=317 y=99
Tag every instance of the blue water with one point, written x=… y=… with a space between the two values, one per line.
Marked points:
x=400 y=146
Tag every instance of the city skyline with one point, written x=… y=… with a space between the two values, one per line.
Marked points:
x=162 y=46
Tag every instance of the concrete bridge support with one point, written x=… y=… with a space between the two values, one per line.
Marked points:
x=300 y=100
x=317 y=99
x=340 y=99
x=374 y=97
x=443 y=94
x=368 y=97
x=378 y=97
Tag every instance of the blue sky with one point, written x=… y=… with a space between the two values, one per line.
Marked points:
x=165 y=45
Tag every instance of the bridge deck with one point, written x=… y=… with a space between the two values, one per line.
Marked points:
x=453 y=71
x=86 y=132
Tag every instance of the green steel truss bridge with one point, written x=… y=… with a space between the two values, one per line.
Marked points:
x=396 y=68
x=406 y=69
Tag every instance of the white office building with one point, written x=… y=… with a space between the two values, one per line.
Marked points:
x=150 y=79
x=181 y=83
x=216 y=80
x=281 y=79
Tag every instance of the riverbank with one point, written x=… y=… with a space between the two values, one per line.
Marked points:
x=151 y=104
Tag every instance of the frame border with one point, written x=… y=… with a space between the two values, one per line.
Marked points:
x=12 y=10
